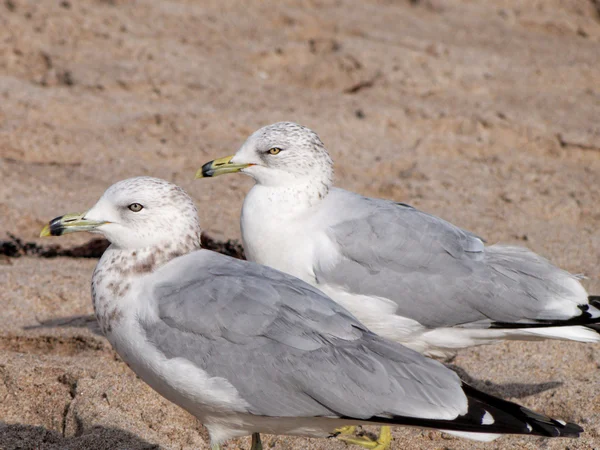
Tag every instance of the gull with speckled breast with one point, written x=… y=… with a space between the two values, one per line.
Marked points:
x=248 y=349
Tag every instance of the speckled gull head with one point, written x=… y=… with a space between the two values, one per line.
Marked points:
x=137 y=213
x=280 y=154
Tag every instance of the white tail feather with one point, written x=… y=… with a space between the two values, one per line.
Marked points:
x=483 y=437
x=574 y=333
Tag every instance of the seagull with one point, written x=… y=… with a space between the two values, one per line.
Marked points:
x=248 y=349
x=407 y=275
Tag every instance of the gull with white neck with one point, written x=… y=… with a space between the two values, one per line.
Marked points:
x=407 y=275
x=248 y=349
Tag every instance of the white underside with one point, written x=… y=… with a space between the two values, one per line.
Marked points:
x=320 y=427
x=224 y=428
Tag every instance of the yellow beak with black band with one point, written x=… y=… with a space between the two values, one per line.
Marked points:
x=219 y=167
x=69 y=223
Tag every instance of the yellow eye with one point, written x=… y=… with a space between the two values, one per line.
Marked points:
x=274 y=151
x=135 y=207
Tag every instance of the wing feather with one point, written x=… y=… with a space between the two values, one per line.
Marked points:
x=287 y=348
x=437 y=273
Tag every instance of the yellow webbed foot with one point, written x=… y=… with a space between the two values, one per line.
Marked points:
x=382 y=443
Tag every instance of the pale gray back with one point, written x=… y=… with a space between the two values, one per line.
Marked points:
x=437 y=273
x=287 y=348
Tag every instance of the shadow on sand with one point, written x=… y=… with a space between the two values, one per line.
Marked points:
x=508 y=390
x=88 y=321
x=19 y=436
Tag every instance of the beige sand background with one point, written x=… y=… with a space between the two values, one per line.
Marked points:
x=486 y=113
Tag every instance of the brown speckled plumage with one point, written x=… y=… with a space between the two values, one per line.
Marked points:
x=111 y=274
x=179 y=233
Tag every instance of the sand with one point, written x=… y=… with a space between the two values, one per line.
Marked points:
x=483 y=112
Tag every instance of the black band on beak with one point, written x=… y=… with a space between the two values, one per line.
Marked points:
x=208 y=169
x=56 y=226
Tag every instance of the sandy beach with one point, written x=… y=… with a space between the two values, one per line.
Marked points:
x=486 y=113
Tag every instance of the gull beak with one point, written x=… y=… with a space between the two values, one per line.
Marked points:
x=219 y=167
x=69 y=223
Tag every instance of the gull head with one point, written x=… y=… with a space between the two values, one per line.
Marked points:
x=280 y=154
x=136 y=213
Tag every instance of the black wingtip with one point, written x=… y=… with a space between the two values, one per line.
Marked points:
x=571 y=430
x=585 y=319
x=594 y=300
x=491 y=415
x=508 y=415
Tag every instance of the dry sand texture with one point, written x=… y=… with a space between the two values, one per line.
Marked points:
x=484 y=112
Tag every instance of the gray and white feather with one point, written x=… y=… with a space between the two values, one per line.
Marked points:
x=249 y=349
x=409 y=276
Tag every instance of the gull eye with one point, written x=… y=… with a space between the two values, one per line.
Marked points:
x=135 y=207
x=274 y=151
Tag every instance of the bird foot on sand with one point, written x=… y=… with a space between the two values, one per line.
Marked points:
x=382 y=443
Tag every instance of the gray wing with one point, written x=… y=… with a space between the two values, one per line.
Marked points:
x=287 y=348
x=437 y=273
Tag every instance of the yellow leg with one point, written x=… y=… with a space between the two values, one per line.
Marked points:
x=382 y=443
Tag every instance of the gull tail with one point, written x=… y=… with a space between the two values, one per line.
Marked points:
x=595 y=302
x=489 y=417
x=583 y=328
x=507 y=416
